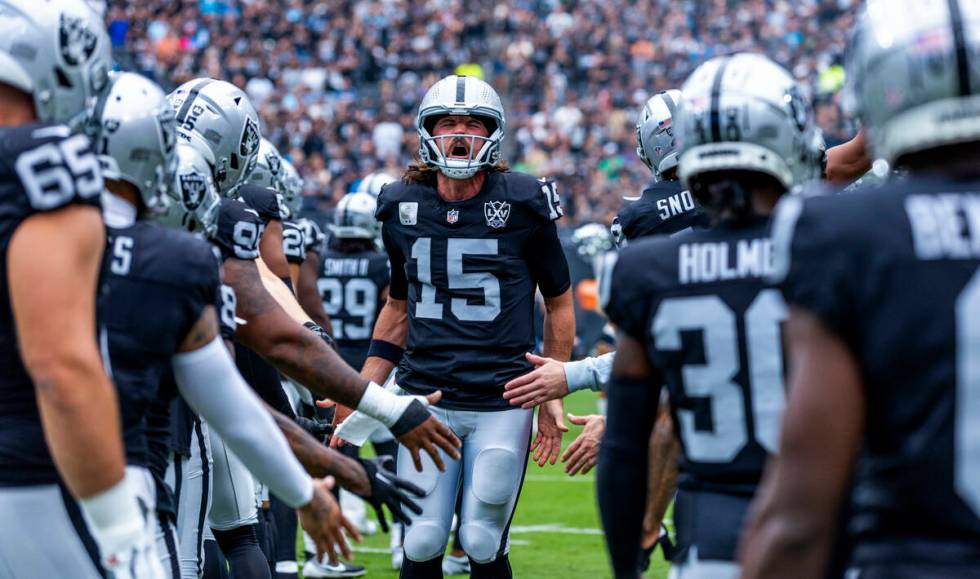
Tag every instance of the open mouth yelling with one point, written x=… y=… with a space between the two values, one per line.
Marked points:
x=459 y=150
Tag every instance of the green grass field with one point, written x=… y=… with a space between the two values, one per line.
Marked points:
x=556 y=531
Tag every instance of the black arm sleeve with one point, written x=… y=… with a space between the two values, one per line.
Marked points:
x=546 y=260
x=398 y=288
x=622 y=474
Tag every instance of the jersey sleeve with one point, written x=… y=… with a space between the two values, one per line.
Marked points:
x=623 y=300
x=55 y=167
x=201 y=270
x=398 y=287
x=293 y=242
x=226 y=304
x=546 y=261
x=265 y=201
x=814 y=264
x=239 y=230
x=546 y=204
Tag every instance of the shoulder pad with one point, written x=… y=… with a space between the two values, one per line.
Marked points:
x=540 y=194
x=54 y=166
x=239 y=230
x=394 y=193
x=267 y=202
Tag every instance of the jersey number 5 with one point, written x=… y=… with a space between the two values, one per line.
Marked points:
x=714 y=379
x=457 y=248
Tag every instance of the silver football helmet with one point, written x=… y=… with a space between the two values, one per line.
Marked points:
x=135 y=137
x=373 y=182
x=268 y=168
x=655 y=143
x=354 y=217
x=745 y=112
x=217 y=119
x=58 y=52
x=292 y=188
x=460 y=95
x=194 y=200
x=910 y=77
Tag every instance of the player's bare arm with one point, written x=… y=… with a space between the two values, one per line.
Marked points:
x=308 y=294
x=664 y=453
x=848 y=161
x=792 y=525
x=559 y=334
x=623 y=470
x=57 y=340
x=270 y=247
x=391 y=327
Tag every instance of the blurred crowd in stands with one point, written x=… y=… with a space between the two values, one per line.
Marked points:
x=337 y=82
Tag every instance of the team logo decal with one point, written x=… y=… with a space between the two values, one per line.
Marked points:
x=250 y=139
x=274 y=164
x=408 y=212
x=452 y=216
x=496 y=213
x=192 y=188
x=168 y=130
x=76 y=41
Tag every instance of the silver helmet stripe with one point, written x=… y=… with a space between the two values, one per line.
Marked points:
x=191 y=97
x=671 y=105
x=962 y=54
x=715 y=113
x=461 y=87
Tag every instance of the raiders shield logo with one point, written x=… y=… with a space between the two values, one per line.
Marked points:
x=192 y=188
x=496 y=213
x=250 y=139
x=168 y=130
x=76 y=41
x=274 y=165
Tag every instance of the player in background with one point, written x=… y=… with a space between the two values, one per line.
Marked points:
x=469 y=243
x=372 y=183
x=61 y=451
x=883 y=328
x=711 y=332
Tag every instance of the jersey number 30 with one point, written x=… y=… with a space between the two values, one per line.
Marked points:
x=715 y=379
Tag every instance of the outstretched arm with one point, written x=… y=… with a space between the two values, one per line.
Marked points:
x=559 y=333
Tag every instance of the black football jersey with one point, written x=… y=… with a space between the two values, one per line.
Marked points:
x=238 y=231
x=894 y=271
x=160 y=281
x=710 y=324
x=664 y=207
x=265 y=201
x=293 y=242
x=469 y=270
x=43 y=167
x=352 y=288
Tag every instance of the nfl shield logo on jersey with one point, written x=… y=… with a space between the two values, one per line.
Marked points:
x=452 y=216
x=496 y=213
x=408 y=212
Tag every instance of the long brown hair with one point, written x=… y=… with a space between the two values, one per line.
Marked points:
x=419 y=173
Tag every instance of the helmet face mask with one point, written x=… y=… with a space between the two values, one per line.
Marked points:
x=655 y=141
x=460 y=96
x=217 y=119
x=292 y=188
x=134 y=132
x=56 y=51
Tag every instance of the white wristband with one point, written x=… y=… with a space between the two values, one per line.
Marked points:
x=114 y=517
x=382 y=405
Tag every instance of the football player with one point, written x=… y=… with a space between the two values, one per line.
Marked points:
x=695 y=312
x=884 y=295
x=160 y=311
x=469 y=243
x=60 y=438
x=373 y=182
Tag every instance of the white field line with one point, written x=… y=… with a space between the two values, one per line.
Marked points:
x=559 y=478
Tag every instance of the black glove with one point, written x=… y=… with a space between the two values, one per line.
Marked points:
x=388 y=489
x=315 y=427
x=319 y=331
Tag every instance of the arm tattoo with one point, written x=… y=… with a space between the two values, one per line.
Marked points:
x=288 y=346
x=319 y=460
